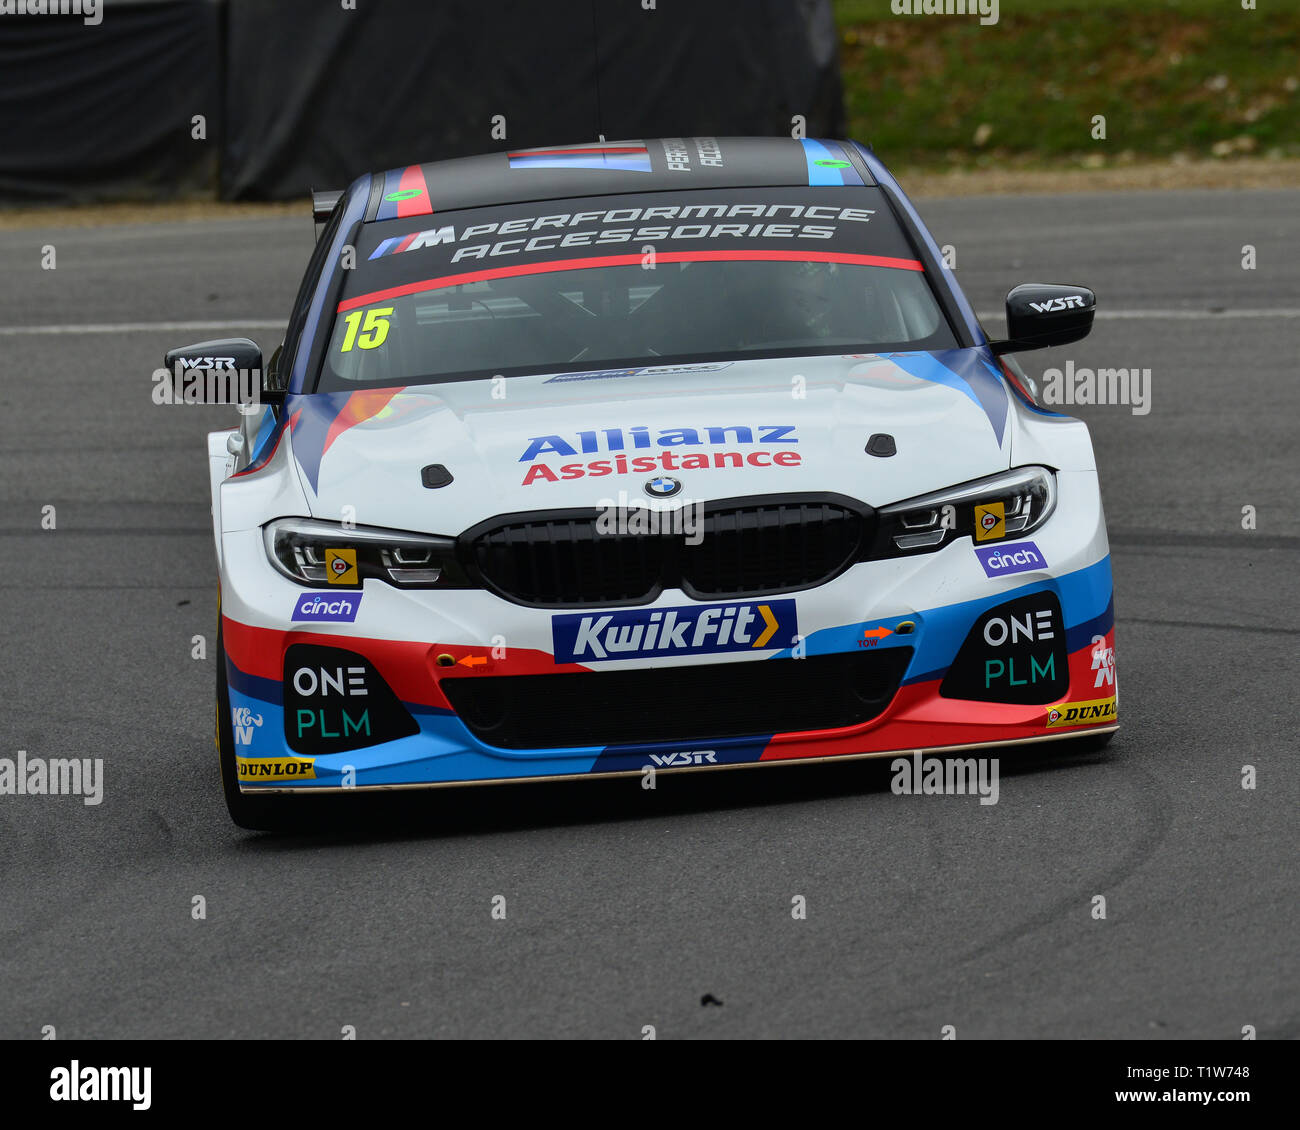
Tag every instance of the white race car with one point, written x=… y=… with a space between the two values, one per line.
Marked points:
x=663 y=455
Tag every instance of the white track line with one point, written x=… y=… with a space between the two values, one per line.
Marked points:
x=1176 y=315
x=264 y=324
x=144 y=327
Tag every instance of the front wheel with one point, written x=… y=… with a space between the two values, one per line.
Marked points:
x=1091 y=743
x=271 y=813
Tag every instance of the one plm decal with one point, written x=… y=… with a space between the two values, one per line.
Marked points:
x=320 y=607
x=1093 y=712
x=1019 y=557
x=700 y=629
x=1016 y=652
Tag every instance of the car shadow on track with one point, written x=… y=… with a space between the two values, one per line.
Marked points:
x=487 y=809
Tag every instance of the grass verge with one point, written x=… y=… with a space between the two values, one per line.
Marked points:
x=1173 y=79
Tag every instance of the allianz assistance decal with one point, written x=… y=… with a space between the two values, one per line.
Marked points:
x=762 y=446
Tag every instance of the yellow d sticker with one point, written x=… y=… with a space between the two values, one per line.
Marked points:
x=1090 y=713
x=341 y=566
x=275 y=768
x=990 y=521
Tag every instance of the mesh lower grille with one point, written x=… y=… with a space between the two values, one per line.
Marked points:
x=668 y=704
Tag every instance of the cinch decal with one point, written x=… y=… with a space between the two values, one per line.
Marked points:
x=692 y=630
x=326 y=606
x=1090 y=713
x=630 y=158
x=1020 y=557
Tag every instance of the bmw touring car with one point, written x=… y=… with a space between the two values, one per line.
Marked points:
x=657 y=455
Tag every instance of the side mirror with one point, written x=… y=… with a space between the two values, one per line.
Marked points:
x=1043 y=314
x=273 y=384
x=227 y=371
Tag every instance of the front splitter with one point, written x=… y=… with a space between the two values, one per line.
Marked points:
x=1091 y=731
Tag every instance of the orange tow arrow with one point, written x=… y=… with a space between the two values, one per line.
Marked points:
x=879 y=633
x=472 y=660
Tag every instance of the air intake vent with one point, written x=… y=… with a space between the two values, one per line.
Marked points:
x=669 y=704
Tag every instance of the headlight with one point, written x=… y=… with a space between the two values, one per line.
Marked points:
x=311 y=552
x=1008 y=505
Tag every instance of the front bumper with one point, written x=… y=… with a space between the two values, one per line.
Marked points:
x=403 y=648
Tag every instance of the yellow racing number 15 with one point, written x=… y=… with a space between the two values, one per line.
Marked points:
x=373 y=330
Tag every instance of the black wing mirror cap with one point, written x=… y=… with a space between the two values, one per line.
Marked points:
x=225 y=371
x=1044 y=314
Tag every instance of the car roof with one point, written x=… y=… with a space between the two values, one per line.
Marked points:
x=515 y=176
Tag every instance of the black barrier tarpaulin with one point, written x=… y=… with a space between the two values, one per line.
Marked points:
x=92 y=110
x=317 y=93
x=690 y=68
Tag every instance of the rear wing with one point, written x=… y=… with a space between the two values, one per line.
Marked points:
x=323 y=202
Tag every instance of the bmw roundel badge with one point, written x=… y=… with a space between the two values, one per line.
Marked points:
x=663 y=487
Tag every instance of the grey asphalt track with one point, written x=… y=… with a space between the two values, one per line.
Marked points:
x=626 y=907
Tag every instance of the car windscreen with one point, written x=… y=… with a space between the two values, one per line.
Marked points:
x=659 y=278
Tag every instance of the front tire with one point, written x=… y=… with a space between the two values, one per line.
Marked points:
x=271 y=813
x=1091 y=743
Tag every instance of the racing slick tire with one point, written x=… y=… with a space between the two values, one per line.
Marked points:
x=1091 y=743
x=272 y=813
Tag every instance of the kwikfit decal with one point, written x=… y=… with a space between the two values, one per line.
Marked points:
x=699 y=629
